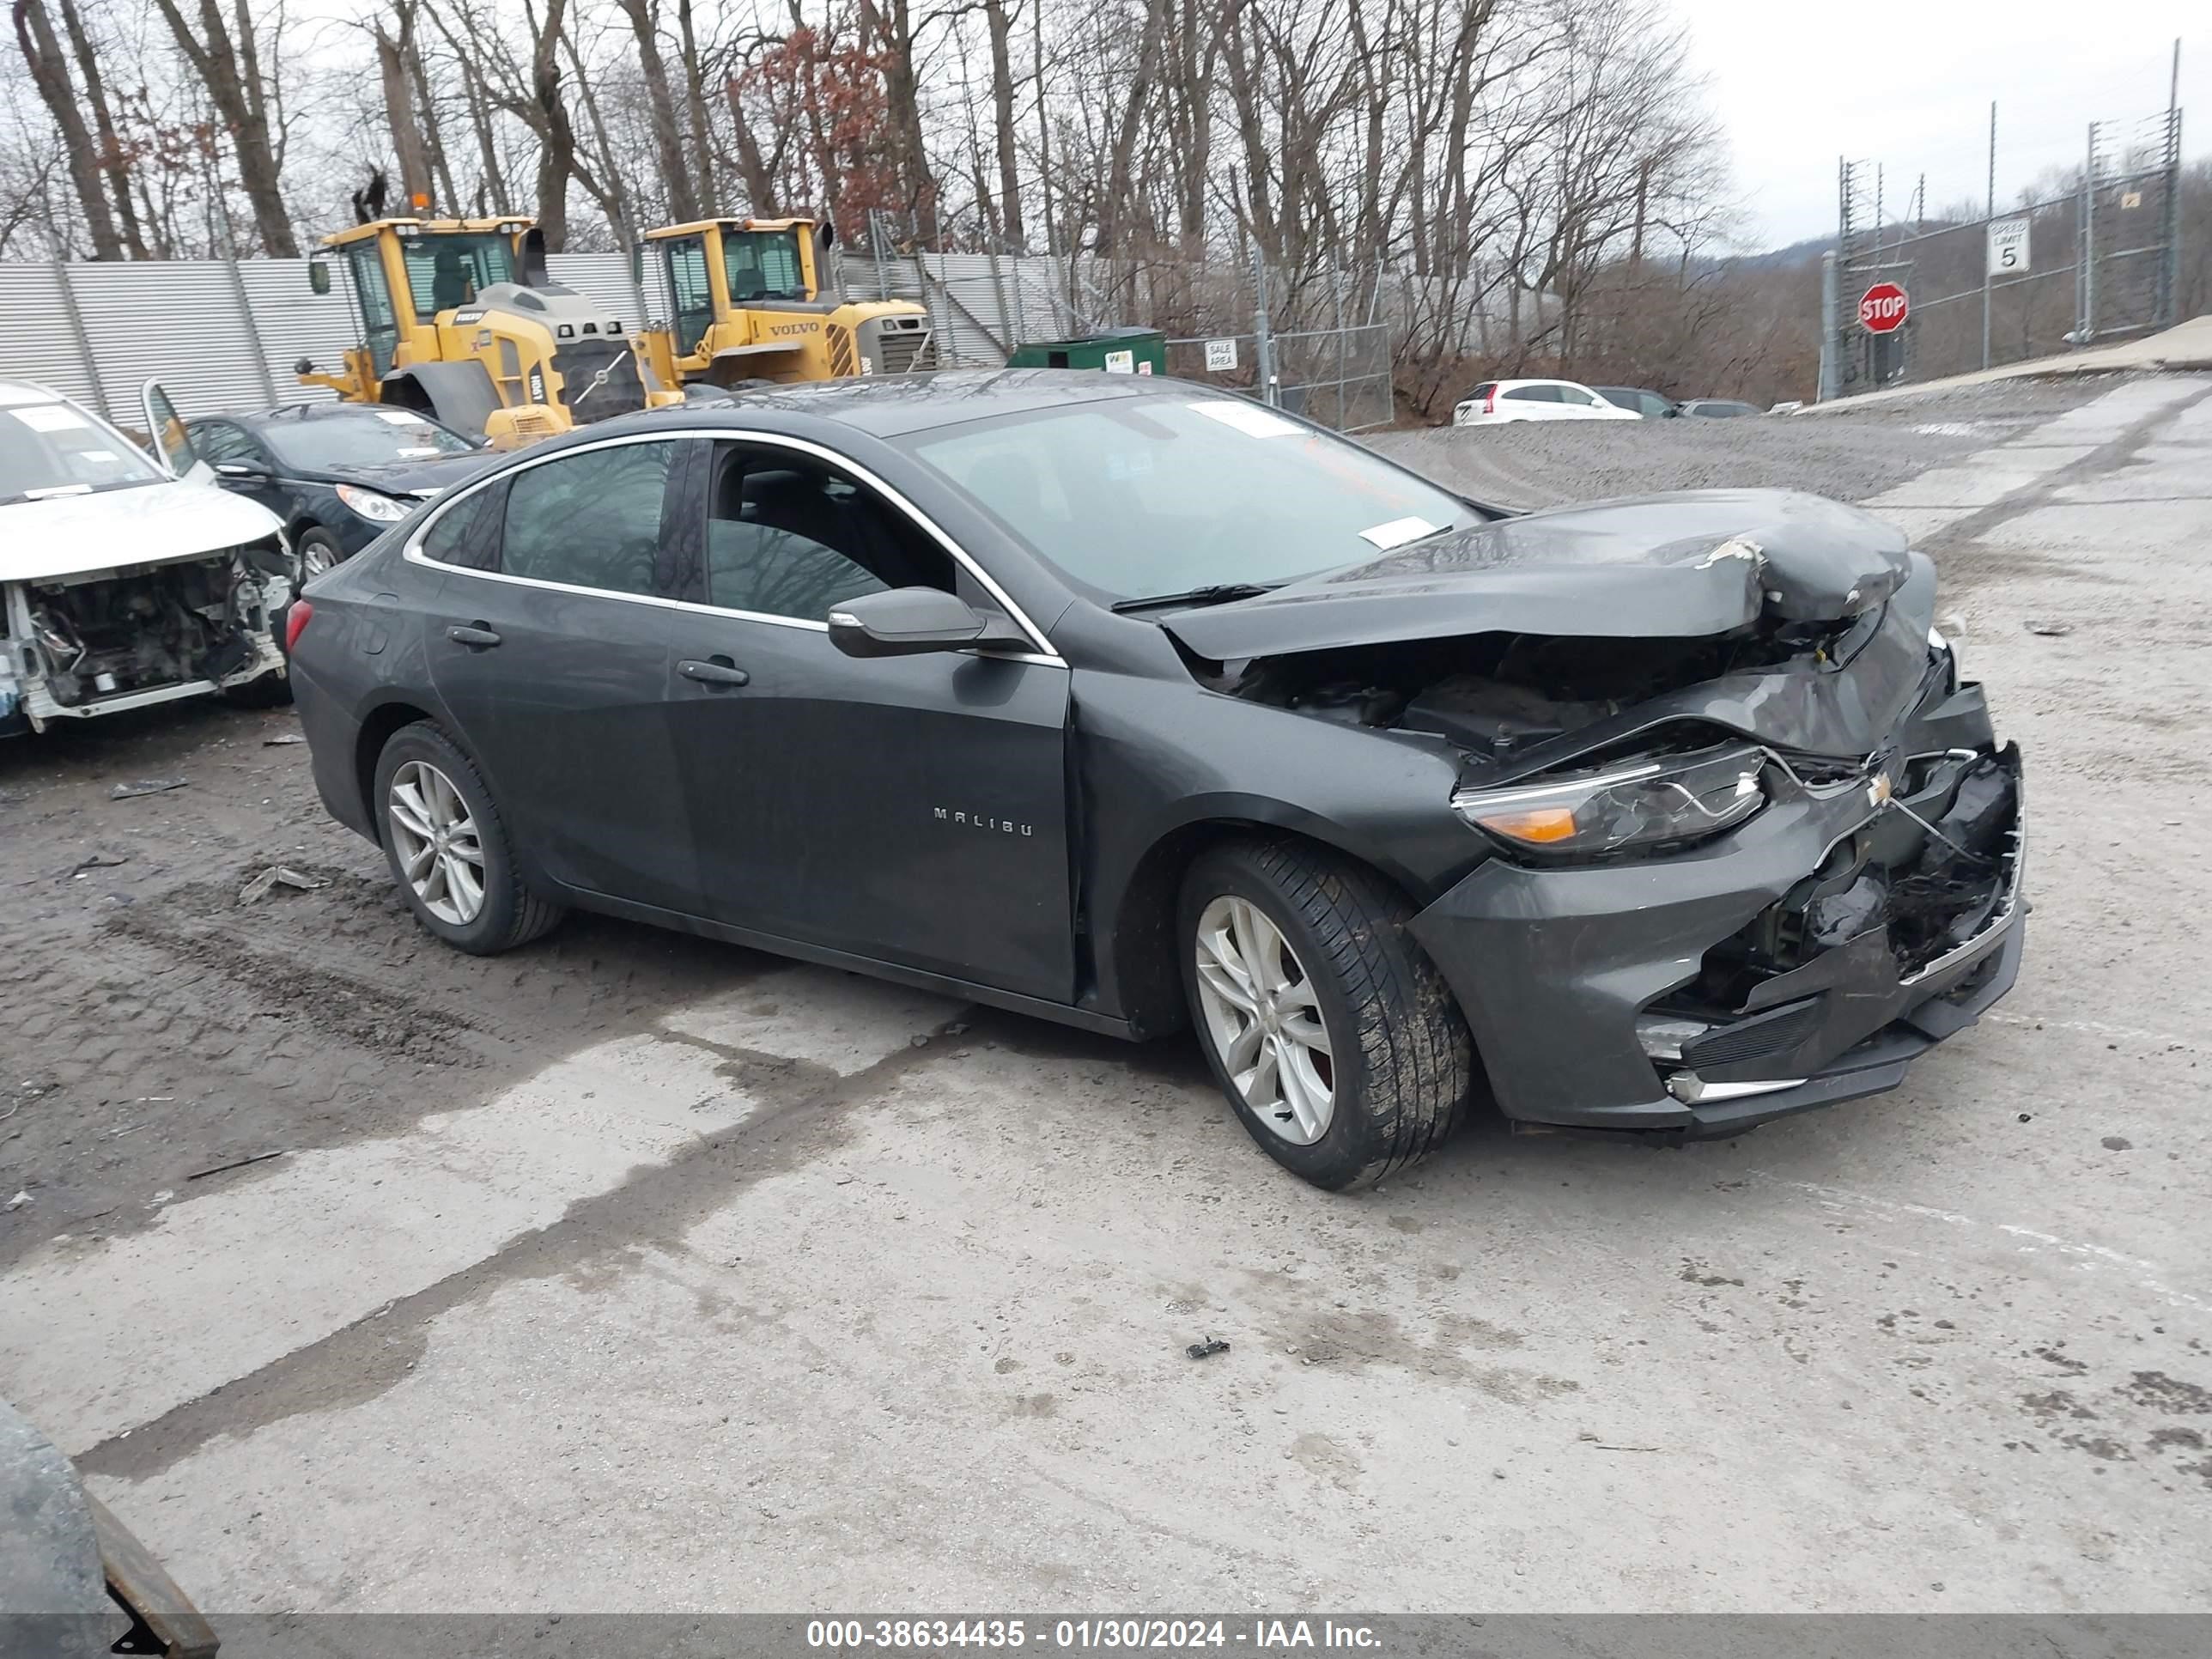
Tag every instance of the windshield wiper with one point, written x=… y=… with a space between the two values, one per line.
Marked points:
x=1219 y=593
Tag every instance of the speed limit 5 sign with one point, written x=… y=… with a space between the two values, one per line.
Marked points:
x=2008 y=245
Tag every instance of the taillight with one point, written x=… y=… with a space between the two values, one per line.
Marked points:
x=1490 y=403
x=295 y=623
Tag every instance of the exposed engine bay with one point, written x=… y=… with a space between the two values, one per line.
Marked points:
x=1495 y=694
x=123 y=637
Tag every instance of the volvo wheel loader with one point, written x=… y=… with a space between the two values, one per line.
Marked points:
x=748 y=305
x=459 y=319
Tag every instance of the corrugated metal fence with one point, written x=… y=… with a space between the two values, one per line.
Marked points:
x=216 y=335
x=223 y=336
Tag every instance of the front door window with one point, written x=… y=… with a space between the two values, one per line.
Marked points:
x=380 y=327
x=689 y=291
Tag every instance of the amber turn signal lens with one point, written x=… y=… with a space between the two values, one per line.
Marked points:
x=1541 y=825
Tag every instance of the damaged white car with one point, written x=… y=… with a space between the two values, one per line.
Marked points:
x=124 y=581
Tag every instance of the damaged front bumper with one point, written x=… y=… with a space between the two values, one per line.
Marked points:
x=1805 y=958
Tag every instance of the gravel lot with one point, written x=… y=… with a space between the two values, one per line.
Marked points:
x=628 y=1272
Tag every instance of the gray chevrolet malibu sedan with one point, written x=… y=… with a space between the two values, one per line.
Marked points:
x=1130 y=704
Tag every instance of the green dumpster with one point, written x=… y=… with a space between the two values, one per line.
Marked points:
x=1117 y=351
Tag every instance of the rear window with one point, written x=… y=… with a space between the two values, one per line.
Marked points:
x=1482 y=391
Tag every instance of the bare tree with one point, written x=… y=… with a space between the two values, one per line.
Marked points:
x=229 y=66
x=34 y=34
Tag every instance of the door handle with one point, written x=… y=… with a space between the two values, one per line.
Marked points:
x=476 y=636
x=714 y=671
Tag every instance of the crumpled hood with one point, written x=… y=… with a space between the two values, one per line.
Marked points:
x=1679 y=566
x=147 y=524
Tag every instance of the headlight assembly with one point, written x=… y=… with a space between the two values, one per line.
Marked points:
x=1679 y=797
x=372 y=505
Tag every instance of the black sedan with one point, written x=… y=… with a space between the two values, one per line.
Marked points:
x=1132 y=704
x=339 y=475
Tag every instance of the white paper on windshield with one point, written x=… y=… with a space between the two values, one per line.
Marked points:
x=97 y=454
x=52 y=418
x=413 y=454
x=398 y=418
x=1399 y=531
x=1247 y=418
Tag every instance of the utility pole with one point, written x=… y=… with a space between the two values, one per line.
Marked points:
x=1989 y=219
x=2169 y=299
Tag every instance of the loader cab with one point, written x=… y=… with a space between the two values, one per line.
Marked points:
x=405 y=272
x=718 y=266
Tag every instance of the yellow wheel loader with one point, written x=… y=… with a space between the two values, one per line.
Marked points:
x=748 y=305
x=460 y=319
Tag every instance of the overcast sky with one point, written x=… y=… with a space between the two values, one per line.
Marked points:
x=1795 y=93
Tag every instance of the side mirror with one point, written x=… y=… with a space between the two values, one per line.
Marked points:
x=243 y=471
x=319 y=276
x=905 y=622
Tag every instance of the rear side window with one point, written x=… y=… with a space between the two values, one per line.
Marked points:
x=591 y=520
x=1535 y=394
x=467 y=532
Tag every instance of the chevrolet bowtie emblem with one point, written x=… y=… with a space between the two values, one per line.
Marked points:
x=1880 y=789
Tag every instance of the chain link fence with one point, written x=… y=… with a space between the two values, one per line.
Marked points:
x=2096 y=261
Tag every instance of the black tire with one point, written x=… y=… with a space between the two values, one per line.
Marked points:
x=322 y=542
x=1401 y=1059
x=511 y=914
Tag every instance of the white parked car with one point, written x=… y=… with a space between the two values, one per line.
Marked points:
x=126 y=580
x=1496 y=401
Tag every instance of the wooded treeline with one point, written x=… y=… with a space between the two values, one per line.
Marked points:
x=1536 y=183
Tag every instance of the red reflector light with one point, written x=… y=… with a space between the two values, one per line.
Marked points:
x=295 y=622
x=1490 y=403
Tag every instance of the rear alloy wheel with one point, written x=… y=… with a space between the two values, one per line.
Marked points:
x=447 y=846
x=1334 y=1038
x=435 y=843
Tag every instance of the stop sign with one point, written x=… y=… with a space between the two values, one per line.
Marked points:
x=1882 y=308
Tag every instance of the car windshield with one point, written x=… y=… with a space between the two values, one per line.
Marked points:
x=1143 y=497
x=373 y=437
x=53 y=449
x=763 y=264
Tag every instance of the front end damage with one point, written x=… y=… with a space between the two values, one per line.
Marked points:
x=1746 y=845
x=97 y=642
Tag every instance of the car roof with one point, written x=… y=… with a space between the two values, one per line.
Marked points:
x=894 y=405
x=28 y=391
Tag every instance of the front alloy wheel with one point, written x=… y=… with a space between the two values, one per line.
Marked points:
x=1334 y=1038
x=1264 y=1019
x=435 y=844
